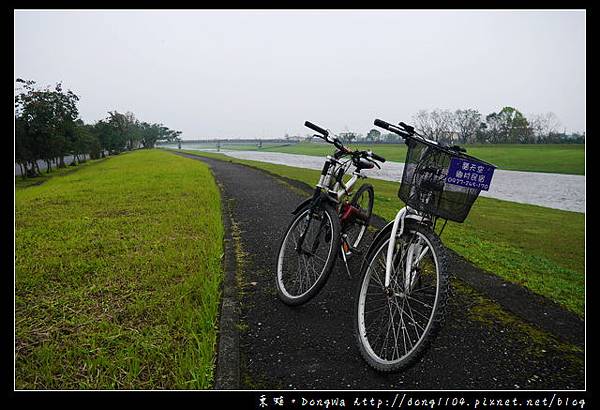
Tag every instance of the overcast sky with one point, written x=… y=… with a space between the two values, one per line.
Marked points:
x=262 y=73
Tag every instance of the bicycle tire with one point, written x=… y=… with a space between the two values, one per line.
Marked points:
x=282 y=283
x=366 y=343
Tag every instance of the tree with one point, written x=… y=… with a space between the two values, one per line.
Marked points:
x=481 y=135
x=23 y=147
x=543 y=125
x=373 y=135
x=513 y=126
x=107 y=136
x=436 y=125
x=45 y=118
x=390 y=138
x=85 y=142
x=170 y=135
x=152 y=133
x=493 y=127
x=149 y=134
x=47 y=129
x=466 y=123
x=121 y=131
x=118 y=123
x=348 y=136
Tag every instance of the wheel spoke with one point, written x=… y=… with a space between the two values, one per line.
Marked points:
x=414 y=322
x=417 y=300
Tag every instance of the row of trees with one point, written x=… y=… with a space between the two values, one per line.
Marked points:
x=469 y=126
x=48 y=129
x=508 y=126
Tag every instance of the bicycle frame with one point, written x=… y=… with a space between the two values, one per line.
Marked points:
x=336 y=192
x=339 y=189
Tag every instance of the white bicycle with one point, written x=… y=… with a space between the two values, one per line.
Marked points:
x=328 y=223
x=403 y=290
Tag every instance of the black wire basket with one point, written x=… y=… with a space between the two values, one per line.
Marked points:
x=424 y=186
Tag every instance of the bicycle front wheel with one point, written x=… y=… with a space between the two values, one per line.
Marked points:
x=395 y=325
x=307 y=254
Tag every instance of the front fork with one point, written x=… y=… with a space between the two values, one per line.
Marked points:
x=414 y=254
x=313 y=205
x=398 y=223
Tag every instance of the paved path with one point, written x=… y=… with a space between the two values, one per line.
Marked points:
x=313 y=347
x=557 y=191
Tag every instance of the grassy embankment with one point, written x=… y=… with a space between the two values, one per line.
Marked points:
x=556 y=158
x=540 y=248
x=21 y=182
x=118 y=272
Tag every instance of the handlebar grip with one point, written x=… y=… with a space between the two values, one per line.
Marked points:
x=382 y=124
x=316 y=128
x=377 y=157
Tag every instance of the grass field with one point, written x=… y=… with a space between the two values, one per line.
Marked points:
x=118 y=273
x=21 y=182
x=556 y=158
x=540 y=248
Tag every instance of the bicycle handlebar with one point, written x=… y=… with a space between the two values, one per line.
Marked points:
x=338 y=144
x=316 y=128
x=377 y=157
x=382 y=124
x=409 y=131
x=393 y=128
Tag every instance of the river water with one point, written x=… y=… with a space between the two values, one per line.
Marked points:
x=43 y=166
x=559 y=191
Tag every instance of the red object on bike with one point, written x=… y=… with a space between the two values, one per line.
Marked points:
x=349 y=212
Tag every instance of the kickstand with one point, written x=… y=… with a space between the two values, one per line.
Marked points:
x=346 y=262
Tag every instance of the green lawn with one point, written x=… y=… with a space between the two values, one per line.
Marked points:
x=557 y=158
x=118 y=273
x=540 y=248
x=21 y=182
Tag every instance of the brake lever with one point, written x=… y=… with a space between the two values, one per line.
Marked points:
x=367 y=156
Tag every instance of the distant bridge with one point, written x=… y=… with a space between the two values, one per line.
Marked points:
x=222 y=141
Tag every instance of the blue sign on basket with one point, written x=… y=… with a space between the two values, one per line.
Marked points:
x=470 y=174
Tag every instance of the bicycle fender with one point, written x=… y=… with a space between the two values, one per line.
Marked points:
x=301 y=205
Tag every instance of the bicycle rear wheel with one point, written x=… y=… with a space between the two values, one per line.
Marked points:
x=303 y=270
x=394 y=326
